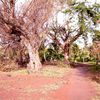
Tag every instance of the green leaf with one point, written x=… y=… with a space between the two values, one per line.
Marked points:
x=67 y=11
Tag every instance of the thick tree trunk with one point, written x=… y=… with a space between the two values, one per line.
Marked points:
x=34 y=63
x=34 y=60
x=66 y=53
x=66 y=56
x=97 y=61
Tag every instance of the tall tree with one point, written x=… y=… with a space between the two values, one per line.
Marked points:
x=26 y=25
x=82 y=16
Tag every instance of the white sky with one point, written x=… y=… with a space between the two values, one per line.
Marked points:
x=92 y=1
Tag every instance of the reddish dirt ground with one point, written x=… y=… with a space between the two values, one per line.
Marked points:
x=73 y=85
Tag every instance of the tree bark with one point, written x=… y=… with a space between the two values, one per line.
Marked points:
x=66 y=56
x=97 y=59
x=66 y=53
x=34 y=60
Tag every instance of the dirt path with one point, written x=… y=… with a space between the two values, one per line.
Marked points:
x=68 y=86
x=79 y=87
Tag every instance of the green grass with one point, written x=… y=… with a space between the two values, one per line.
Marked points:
x=92 y=63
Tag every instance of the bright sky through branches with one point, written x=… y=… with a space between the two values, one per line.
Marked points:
x=80 y=41
x=61 y=18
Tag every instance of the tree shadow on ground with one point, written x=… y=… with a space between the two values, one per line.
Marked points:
x=89 y=71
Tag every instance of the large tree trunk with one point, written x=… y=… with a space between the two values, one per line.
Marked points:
x=97 y=61
x=34 y=60
x=66 y=56
x=66 y=53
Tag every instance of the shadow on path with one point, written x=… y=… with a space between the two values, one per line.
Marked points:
x=80 y=87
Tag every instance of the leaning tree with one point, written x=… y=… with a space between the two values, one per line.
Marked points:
x=81 y=20
x=25 y=23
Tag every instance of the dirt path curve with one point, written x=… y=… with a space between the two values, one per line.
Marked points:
x=79 y=87
x=72 y=86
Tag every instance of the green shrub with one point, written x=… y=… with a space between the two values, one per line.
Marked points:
x=50 y=54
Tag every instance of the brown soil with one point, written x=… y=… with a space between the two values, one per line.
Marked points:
x=51 y=83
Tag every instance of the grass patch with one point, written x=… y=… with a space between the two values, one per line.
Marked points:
x=97 y=87
x=54 y=72
x=14 y=73
x=95 y=68
x=92 y=63
x=62 y=64
x=48 y=71
x=45 y=89
x=20 y=72
x=95 y=72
